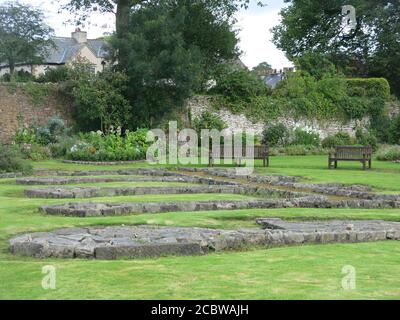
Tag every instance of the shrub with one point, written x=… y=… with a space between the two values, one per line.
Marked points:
x=369 y=87
x=11 y=161
x=381 y=127
x=98 y=99
x=55 y=130
x=354 y=107
x=137 y=138
x=239 y=85
x=113 y=146
x=25 y=135
x=56 y=75
x=61 y=148
x=389 y=153
x=394 y=130
x=207 y=120
x=298 y=150
x=307 y=138
x=275 y=135
x=339 y=139
x=35 y=152
x=366 y=138
x=19 y=76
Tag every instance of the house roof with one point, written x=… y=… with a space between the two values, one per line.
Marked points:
x=65 y=48
x=273 y=79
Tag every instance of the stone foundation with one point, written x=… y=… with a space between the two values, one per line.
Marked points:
x=334 y=189
x=64 y=181
x=92 y=209
x=104 y=163
x=108 y=243
x=92 y=192
x=10 y=175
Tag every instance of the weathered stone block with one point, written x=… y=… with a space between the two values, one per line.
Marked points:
x=147 y=251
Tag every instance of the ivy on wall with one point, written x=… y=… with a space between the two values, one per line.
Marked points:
x=38 y=92
x=301 y=95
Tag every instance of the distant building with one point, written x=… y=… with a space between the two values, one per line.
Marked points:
x=275 y=76
x=66 y=51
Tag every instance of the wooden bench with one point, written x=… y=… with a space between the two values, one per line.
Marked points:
x=260 y=153
x=351 y=153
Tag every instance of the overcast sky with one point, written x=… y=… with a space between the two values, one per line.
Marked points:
x=254 y=23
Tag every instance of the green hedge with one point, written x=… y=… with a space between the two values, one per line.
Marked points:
x=369 y=87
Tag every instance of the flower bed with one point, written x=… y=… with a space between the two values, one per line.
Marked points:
x=110 y=147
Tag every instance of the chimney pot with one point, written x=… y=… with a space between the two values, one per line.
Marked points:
x=79 y=36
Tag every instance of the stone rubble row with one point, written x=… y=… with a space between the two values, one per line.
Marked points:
x=92 y=209
x=10 y=175
x=92 y=192
x=334 y=189
x=108 y=243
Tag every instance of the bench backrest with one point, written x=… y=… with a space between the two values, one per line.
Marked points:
x=260 y=152
x=351 y=152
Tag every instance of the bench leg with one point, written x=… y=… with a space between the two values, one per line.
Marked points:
x=336 y=164
x=370 y=163
x=364 y=165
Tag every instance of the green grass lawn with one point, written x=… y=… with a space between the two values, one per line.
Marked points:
x=305 y=272
x=384 y=176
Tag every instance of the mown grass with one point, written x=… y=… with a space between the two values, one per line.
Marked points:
x=310 y=272
x=384 y=176
x=306 y=272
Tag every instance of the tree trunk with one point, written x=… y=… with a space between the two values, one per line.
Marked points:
x=12 y=70
x=122 y=17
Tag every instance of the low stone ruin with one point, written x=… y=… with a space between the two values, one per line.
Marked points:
x=78 y=180
x=96 y=209
x=91 y=209
x=10 y=175
x=91 y=192
x=110 y=243
x=334 y=189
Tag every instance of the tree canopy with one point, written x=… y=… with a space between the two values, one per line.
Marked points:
x=372 y=48
x=170 y=50
x=123 y=8
x=24 y=37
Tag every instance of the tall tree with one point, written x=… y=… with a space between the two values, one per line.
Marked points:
x=24 y=37
x=162 y=69
x=169 y=49
x=371 y=48
x=123 y=8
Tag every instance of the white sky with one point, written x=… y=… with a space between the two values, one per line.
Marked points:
x=254 y=23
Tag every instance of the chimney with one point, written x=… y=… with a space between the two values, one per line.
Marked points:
x=79 y=36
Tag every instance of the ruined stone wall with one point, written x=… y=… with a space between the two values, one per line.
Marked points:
x=239 y=122
x=19 y=108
